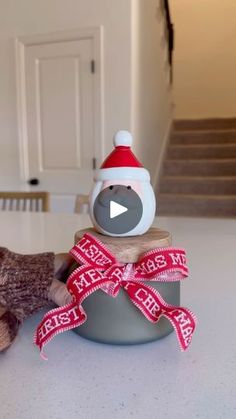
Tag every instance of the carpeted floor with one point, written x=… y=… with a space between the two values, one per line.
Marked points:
x=199 y=170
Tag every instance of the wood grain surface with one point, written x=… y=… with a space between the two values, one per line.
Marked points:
x=128 y=249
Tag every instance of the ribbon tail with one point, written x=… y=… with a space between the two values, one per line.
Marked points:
x=184 y=323
x=82 y=282
x=153 y=307
x=57 y=321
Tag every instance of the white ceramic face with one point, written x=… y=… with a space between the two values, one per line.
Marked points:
x=146 y=194
x=135 y=185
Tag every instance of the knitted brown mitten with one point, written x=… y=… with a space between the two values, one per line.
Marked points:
x=25 y=281
x=27 y=284
x=9 y=326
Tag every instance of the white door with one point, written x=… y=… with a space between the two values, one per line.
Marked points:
x=59 y=95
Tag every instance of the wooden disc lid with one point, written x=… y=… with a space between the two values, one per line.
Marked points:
x=128 y=249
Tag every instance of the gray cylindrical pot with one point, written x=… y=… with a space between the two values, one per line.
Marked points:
x=118 y=320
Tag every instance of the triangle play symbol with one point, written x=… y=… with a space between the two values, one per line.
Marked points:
x=116 y=209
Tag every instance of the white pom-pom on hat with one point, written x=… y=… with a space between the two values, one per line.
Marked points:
x=123 y=138
x=121 y=164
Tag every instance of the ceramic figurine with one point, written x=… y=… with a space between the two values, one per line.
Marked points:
x=122 y=201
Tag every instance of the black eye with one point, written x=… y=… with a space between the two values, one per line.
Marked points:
x=129 y=187
x=111 y=187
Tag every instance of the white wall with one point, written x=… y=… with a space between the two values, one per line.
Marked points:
x=204 y=58
x=151 y=90
x=27 y=17
x=137 y=94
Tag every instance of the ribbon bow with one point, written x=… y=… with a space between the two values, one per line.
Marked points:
x=100 y=270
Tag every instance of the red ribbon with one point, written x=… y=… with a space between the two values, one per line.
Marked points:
x=101 y=270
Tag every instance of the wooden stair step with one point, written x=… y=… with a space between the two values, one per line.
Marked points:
x=196 y=205
x=200 y=151
x=198 y=185
x=211 y=123
x=200 y=167
x=203 y=137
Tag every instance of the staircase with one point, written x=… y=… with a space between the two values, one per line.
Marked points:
x=199 y=171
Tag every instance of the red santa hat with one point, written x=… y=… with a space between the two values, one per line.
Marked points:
x=122 y=164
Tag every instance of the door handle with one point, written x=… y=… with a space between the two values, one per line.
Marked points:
x=33 y=181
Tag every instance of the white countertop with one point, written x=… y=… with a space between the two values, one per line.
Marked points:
x=88 y=380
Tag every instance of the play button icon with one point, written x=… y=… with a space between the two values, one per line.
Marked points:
x=116 y=209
